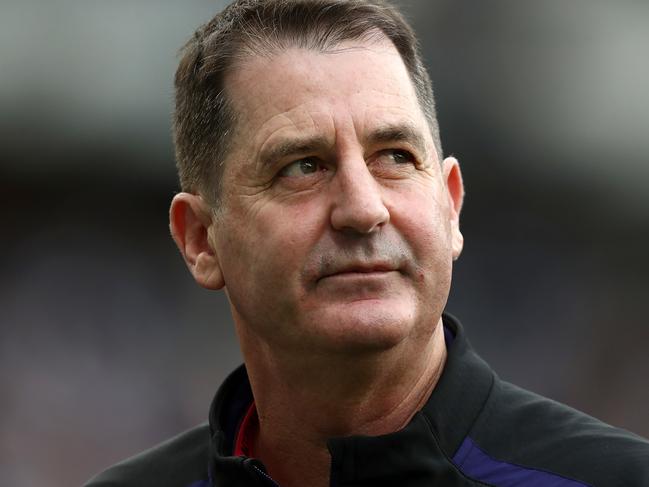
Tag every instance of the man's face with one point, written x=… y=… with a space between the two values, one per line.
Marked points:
x=337 y=229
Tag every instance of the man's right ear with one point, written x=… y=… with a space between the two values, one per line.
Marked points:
x=190 y=220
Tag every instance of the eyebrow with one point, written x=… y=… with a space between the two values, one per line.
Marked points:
x=293 y=147
x=403 y=132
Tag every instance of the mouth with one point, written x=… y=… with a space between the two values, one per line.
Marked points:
x=360 y=270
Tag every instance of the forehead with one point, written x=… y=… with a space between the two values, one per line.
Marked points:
x=355 y=85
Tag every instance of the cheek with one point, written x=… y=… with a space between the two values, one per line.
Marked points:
x=286 y=232
x=268 y=252
x=269 y=246
x=422 y=217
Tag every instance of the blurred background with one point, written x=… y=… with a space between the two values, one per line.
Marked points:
x=106 y=344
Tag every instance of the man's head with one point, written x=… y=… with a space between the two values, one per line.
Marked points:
x=336 y=224
x=205 y=121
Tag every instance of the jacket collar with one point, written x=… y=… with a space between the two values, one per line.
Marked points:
x=413 y=455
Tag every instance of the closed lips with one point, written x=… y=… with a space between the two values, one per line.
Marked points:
x=360 y=269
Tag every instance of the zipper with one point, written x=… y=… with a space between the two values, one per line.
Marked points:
x=259 y=470
x=267 y=477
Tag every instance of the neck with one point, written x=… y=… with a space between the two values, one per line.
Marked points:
x=304 y=400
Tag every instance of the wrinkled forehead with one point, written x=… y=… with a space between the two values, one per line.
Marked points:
x=363 y=78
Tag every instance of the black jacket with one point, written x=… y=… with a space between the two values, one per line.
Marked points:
x=475 y=430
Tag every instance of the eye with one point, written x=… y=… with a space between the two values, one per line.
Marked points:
x=400 y=156
x=394 y=158
x=393 y=163
x=301 y=168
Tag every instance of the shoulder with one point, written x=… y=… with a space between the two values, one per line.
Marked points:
x=178 y=462
x=523 y=428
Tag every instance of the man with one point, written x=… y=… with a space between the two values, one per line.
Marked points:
x=315 y=193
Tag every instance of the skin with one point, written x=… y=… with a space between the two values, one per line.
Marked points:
x=334 y=242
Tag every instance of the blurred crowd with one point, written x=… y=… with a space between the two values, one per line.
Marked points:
x=107 y=346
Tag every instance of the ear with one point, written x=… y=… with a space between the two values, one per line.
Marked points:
x=190 y=221
x=455 y=194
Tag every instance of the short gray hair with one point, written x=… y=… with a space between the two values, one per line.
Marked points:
x=204 y=118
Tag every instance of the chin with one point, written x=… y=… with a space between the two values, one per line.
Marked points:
x=365 y=326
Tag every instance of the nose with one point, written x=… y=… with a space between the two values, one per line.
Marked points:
x=358 y=204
